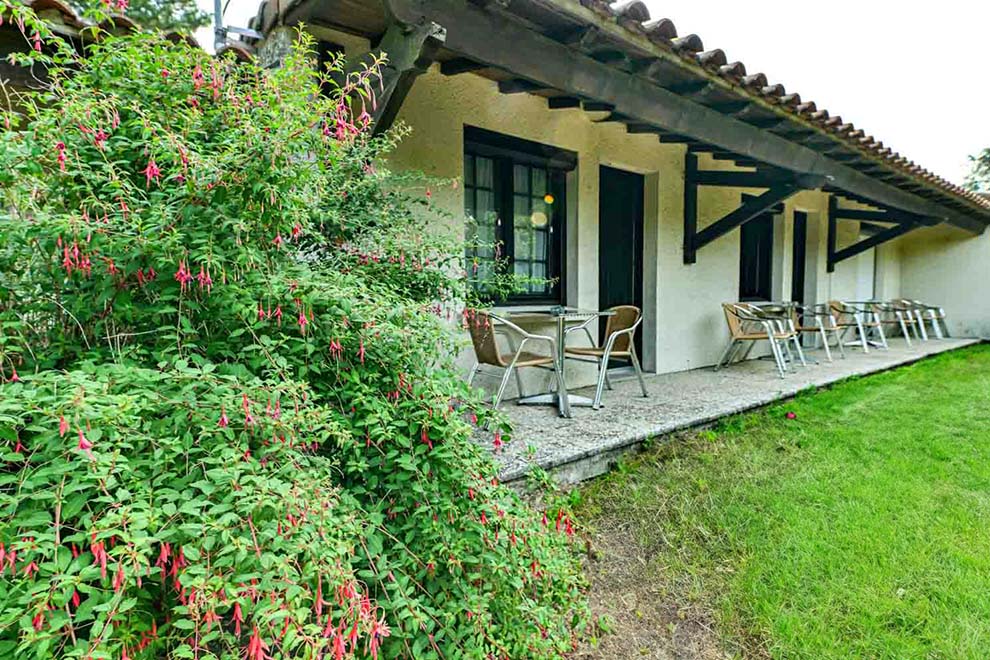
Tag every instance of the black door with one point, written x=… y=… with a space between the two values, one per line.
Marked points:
x=800 y=253
x=620 y=241
x=756 y=259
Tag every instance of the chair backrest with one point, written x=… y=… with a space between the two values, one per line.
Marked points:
x=482 y=331
x=624 y=318
x=843 y=315
x=732 y=319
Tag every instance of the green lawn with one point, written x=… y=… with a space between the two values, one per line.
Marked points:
x=860 y=529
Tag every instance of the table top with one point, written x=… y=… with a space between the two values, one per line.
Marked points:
x=555 y=313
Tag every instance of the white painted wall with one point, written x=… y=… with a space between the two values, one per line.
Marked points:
x=947 y=267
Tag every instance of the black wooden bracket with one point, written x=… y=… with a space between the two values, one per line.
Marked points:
x=410 y=50
x=780 y=186
x=879 y=234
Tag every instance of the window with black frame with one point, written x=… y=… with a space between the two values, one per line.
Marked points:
x=514 y=192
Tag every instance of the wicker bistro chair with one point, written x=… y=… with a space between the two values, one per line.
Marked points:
x=897 y=315
x=782 y=316
x=818 y=320
x=485 y=327
x=620 y=331
x=859 y=319
x=747 y=325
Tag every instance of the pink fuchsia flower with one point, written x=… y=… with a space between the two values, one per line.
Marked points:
x=165 y=74
x=182 y=275
x=791 y=415
x=197 y=77
x=151 y=172
x=36 y=41
x=278 y=240
x=224 y=422
x=63 y=426
x=84 y=444
x=238 y=618
x=497 y=443
x=60 y=150
x=100 y=138
x=205 y=281
x=302 y=321
x=256 y=647
x=122 y=5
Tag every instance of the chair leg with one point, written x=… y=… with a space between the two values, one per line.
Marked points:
x=938 y=330
x=563 y=399
x=474 y=372
x=904 y=329
x=602 y=374
x=505 y=381
x=883 y=335
x=639 y=371
x=608 y=381
x=725 y=355
x=778 y=356
x=839 y=340
x=862 y=336
x=921 y=324
x=796 y=338
x=824 y=338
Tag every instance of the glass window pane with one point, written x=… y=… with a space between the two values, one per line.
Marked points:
x=520 y=179
x=540 y=245
x=539 y=183
x=468 y=170
x=539 y=270
x=469 y=203
x=520 y=211
x=484 y=173
x=485 y=212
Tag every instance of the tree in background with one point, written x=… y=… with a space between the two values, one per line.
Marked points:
x=979 y=177
x=168 y=15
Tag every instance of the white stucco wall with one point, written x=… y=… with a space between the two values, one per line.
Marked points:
x=948 y=267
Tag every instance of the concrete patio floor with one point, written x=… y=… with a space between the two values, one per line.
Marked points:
x=591 y=441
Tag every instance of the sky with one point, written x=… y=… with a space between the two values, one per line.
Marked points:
x=910 y=73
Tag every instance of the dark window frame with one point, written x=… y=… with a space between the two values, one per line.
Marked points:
x=506 y=152
x=761 y=232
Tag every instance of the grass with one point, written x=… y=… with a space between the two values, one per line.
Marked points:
x=859 y=529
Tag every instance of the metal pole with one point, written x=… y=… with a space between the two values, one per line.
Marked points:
x=219 y=32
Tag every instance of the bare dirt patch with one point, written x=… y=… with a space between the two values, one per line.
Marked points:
x=643 y=616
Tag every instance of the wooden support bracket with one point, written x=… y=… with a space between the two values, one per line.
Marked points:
x=905 y=223
x=779 y=188
x=410 y=50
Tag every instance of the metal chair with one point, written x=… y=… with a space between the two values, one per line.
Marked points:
x=932 y=313
x=821 y=323
x=896 y=314
x=620 y=331
x=483 y=327
x=849 y=316
x=781 y=314
x=747 y=325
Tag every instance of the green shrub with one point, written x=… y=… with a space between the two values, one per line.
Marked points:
x=225 y=344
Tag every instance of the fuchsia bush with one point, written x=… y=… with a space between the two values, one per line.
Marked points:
x=229 y=425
